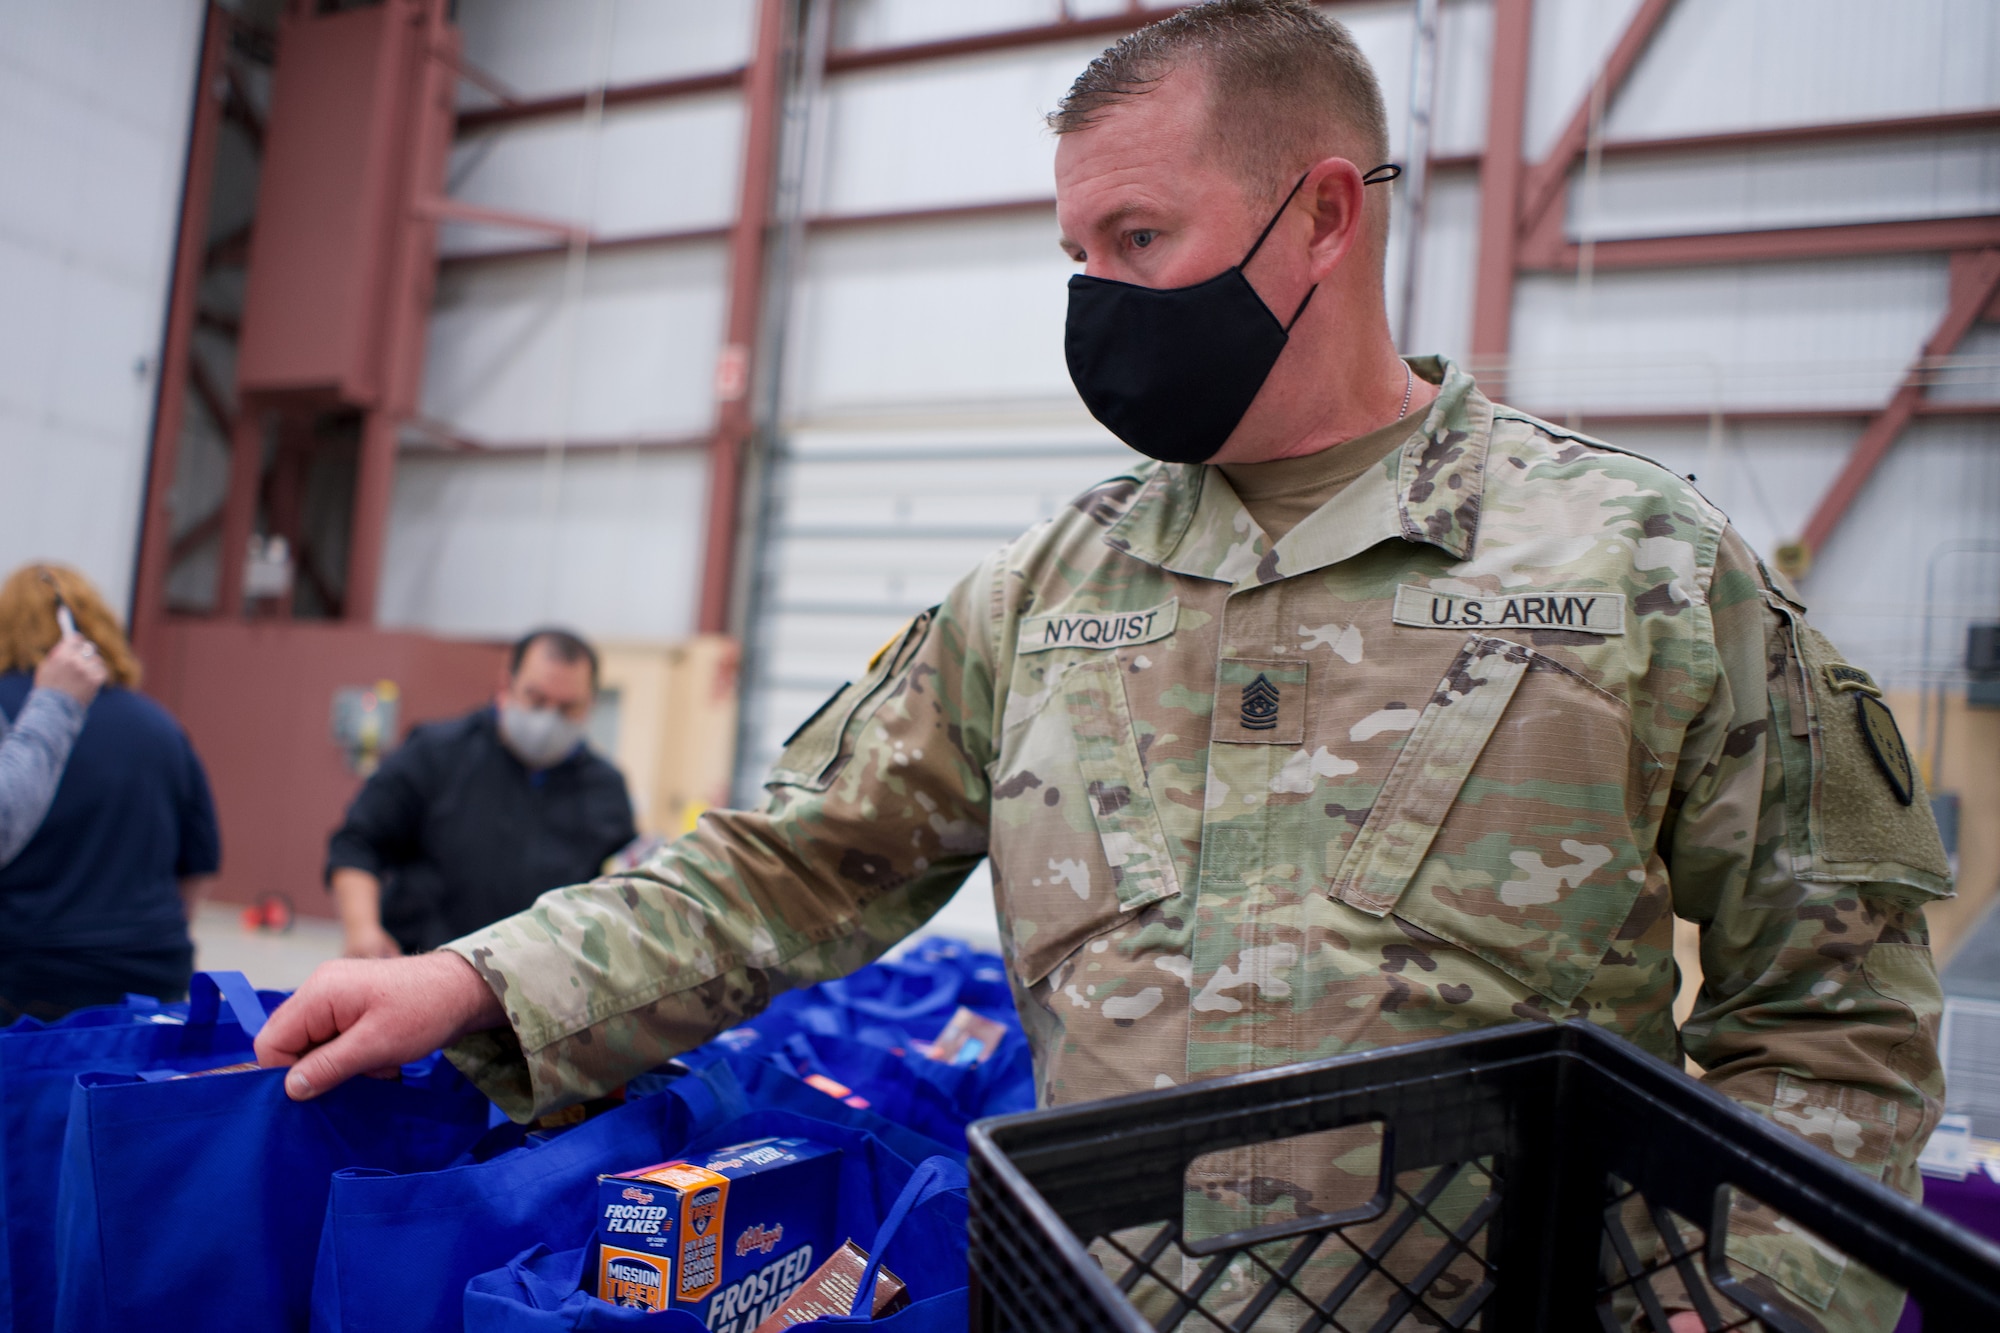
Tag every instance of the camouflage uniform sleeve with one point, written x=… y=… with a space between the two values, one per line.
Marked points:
x=875 y=813
x=1807 y=872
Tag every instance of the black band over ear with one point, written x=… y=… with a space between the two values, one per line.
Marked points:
x=1388 y=171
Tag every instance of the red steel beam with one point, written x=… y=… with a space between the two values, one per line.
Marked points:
x=149 y=585
x=598 y=246
x=1008 y=39
x=1543 y=184
x=565 y=104
x=1978 y=281
x=444 y=208
x=239 y=506
x=1962 y=122
x=1500 y=185
x=1783 y=136
x=1792 y=136
x=1924 y=235
x=408 y=284
x=206 y=389
x=444 y=438
x=1766 y=416
x=763 y=93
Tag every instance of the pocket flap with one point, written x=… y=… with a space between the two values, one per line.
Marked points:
x=1121 y=803
x=1450 y=733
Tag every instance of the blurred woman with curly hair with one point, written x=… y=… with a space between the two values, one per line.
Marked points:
x=93 y=905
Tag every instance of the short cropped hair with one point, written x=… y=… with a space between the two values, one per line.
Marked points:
x=566 y=646
x=1288 y=85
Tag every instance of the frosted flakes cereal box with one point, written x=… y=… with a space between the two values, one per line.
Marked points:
x=726 y=1236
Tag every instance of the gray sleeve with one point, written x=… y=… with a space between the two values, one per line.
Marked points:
x=32 y=756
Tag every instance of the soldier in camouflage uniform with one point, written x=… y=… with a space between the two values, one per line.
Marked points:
x=1453 y=751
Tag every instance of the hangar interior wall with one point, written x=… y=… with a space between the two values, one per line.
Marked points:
x=923 y=411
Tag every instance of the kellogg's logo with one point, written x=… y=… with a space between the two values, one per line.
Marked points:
x=703 y=1210
x=637 y=1196
x=759 y=1237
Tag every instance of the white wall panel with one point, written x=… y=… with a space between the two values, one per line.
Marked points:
x=950 y=132
x=867 y=528
x=539 y=48
x=667 y=166
x=607 y=542
x=1807 y=186
x=1730 y=65
x=1939 y=485
x=95 y=103
x=1773 y=335
x=1449 y=263
x=955 y=313
x=634 y=358
x=1465 y=76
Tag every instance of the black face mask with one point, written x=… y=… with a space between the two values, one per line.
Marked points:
x=1171 y=370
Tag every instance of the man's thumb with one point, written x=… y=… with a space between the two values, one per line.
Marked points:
x=317 y=1072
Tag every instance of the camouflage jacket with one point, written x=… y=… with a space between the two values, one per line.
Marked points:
x=1452 y=753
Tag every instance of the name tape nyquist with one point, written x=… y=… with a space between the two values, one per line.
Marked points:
x=1091 y=629
x=1585 y=612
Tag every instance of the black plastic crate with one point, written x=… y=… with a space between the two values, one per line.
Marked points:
x=1591 y=1183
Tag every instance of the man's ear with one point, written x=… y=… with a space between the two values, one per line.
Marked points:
x=1336 y=200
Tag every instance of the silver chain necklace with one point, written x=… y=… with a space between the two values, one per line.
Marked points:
x=1409 y=387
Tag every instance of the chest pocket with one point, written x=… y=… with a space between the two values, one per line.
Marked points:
x=1086 y=847
x=1506 y=824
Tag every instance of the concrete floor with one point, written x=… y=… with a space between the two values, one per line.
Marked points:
x=272 y=962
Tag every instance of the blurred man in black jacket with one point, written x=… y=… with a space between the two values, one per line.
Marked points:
x=472 y=819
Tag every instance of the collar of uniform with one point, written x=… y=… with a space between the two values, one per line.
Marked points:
x=1188 y=519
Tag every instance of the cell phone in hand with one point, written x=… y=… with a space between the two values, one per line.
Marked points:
x=65 y=619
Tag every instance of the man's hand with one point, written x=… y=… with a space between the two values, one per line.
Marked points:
x=364 y=1017
x=357 y=896
x=73 y=667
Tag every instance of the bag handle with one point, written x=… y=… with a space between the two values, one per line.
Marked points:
x=945 y=981
x=936 y=1176
x=207 y=992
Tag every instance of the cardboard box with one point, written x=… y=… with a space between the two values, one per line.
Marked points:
x=725 y=1236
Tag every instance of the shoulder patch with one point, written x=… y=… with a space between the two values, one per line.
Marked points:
x=1885 y=742
x=1842 y=678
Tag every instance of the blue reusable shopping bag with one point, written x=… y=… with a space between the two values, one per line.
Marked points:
x=38 y=1064
x=867 y=1032
x=918 y=1232
x=197 y=1203
x=398 y=1249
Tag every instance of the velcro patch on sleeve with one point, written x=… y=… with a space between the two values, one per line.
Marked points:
x=1100 y=630
x=1584 y=612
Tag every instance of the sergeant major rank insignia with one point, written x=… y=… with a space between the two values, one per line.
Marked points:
x=1260 y=704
